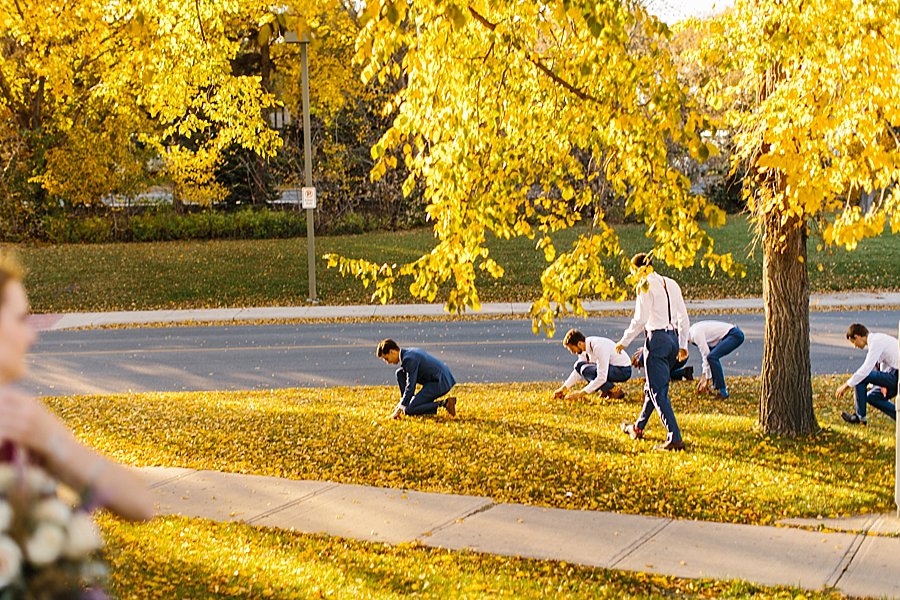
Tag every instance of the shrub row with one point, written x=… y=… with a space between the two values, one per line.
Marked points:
x=167 y=225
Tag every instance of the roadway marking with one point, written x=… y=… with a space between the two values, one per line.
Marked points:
x=270 y=348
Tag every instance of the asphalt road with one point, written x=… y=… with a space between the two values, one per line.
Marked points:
x=329 y=354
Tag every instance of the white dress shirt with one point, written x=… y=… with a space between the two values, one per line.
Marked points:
x=706 y=335
x=882 y=354
x=602 y=352
x=660 y=306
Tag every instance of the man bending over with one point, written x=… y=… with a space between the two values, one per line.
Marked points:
x=879 y=369
x=418 y=367
x=598 y=363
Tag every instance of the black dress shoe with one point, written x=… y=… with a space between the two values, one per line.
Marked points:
x=670 y=446
x=689 y=373
x=852 y=418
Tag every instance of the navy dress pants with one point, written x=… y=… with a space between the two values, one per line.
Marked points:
x=875 y=397
x=614 y=375
x=726 y=345
x=662 y=354
x=423 y=403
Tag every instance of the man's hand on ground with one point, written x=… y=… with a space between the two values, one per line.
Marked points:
x=398 y=413
x=842 y=389
x=703 y=384
x=575 y=395
x=560 y=393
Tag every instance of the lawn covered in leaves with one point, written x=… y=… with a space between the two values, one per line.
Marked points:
x=192 y=558
x=514 y=443
x=239 y=273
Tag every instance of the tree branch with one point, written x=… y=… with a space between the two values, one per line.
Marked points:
x=200 y=22
x=581 y=94
x=19 y=10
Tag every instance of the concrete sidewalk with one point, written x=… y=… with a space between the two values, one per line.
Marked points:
x=47 y=322
x=855 y=563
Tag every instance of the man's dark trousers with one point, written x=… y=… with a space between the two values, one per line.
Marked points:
x=423 y=403
x=727 y=345
x=662 y=354
x=614 y=375
x=677 y=373
x=875 y=397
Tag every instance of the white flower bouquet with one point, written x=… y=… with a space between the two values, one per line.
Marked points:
x=49 y=547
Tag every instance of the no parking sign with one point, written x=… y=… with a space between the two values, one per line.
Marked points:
x=308 y=197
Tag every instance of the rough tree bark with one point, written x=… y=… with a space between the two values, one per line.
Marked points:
x=786 y=401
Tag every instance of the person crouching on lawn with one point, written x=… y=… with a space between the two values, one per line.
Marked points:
x=879 y=369
x=598 y=363
x=418 y=367
x=715 y=339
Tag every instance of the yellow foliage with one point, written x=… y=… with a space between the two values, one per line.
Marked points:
x=162 y=559
x=103 y=82
x=507 y=122
x=813 y=109
x=95 y=160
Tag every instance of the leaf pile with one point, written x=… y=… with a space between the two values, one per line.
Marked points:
x=513 y=443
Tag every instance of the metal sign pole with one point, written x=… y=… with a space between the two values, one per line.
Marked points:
x=307 y=160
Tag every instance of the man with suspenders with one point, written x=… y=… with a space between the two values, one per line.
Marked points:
x=659 y=311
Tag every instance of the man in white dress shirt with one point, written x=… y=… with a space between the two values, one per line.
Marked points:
x=598 y=363
x=879 y=369
x=660 y=312
x=715 y=339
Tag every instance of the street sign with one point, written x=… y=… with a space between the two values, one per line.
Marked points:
x=308 y=197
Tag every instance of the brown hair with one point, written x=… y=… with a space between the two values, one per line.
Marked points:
x=857 y=330
x=642 y=259
x=10 y=270
x=386 y=346
x=573 y=337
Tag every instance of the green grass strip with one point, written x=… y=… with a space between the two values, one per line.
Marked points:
x=168 y=275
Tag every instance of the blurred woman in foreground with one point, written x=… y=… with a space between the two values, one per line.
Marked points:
x=28 y=424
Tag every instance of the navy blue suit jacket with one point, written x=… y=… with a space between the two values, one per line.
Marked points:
x=423 y=368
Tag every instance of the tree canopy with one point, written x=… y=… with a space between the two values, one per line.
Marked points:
x=87 y=86
x=829 y=124
x=513 y=117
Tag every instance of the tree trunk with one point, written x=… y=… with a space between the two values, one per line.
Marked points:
x=177 y=200
x=785 y=404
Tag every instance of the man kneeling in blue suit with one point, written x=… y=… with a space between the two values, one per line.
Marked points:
x=418 y=367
